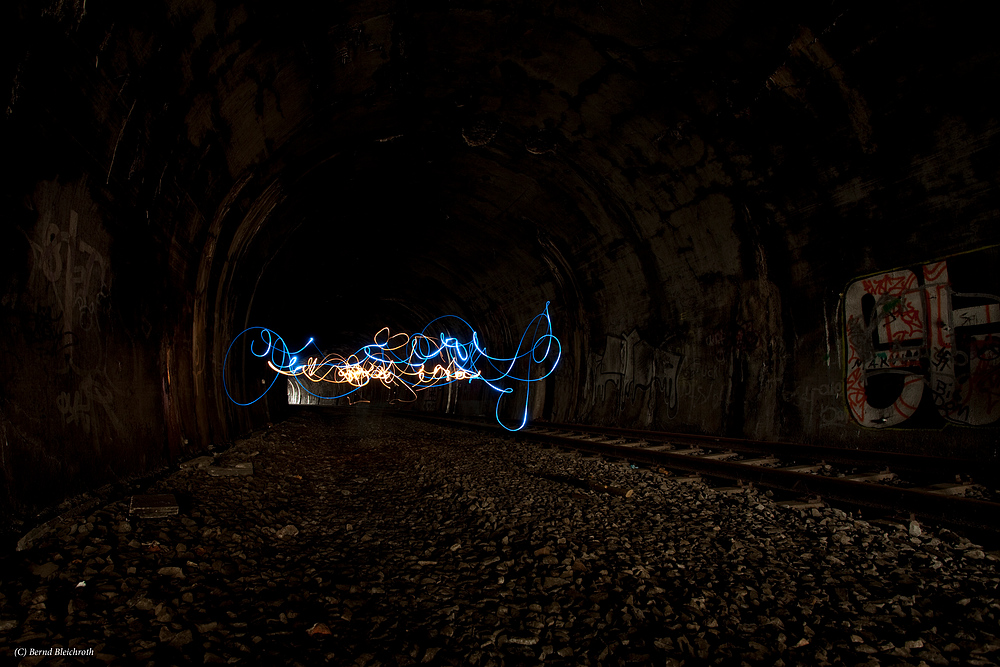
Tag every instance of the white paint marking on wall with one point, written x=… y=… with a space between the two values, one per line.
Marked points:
x=826 y=334
x=121 y=133
x=836 y=323
x=68 y=290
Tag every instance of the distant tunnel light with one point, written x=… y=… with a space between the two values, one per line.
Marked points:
x=410 y=362
x=298 y=396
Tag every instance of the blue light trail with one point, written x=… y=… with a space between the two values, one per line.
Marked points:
x=446 y=351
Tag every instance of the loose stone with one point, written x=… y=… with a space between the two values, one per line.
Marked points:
x=452 y=547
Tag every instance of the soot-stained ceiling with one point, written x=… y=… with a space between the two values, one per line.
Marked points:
x=514 y=132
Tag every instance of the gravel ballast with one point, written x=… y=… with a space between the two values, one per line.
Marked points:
x=363 y=538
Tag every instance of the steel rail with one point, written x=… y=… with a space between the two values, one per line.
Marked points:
x=897 y=461
x=955 y=511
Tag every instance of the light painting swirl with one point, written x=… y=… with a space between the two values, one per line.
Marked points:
x=447 y=350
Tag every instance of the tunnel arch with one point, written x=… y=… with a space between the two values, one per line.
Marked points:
x=693 y=188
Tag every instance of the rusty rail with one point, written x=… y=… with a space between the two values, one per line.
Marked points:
x=952 y=511
x=792 y=450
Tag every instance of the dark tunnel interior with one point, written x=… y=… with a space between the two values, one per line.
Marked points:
x=776 y=222
x=764 y=234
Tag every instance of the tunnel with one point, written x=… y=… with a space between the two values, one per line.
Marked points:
x=770 y=223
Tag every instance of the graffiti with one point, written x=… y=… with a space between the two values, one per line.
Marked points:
x=716 y=343
x=819 y=404
x=631 y=364
x=76 y=411
x=93 y=389
x=77 y=275
x=73 y=280
x=909 y=336
x=722 y=343
x=696 y=370
x=694 y=385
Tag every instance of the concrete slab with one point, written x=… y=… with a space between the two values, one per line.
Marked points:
x=803 y=468
x=688 y=479
x=872 y=476
x=801 y=504
x=239 y=470
x=763 y=461
x=152 y=506
x=730 y=490
x=945 y=489
x=720 y=456
x=198 y=462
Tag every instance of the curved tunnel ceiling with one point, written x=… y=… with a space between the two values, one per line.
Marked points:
x=519 y=130
x=692 y=186
x=511 y=121
x=636 y=166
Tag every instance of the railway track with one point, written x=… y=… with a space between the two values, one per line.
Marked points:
x=955 y=493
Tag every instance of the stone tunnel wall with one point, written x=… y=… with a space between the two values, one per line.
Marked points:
x=781 y=227
x=82 y=383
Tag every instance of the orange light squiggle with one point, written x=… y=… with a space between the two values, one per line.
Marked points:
x=417 y=362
